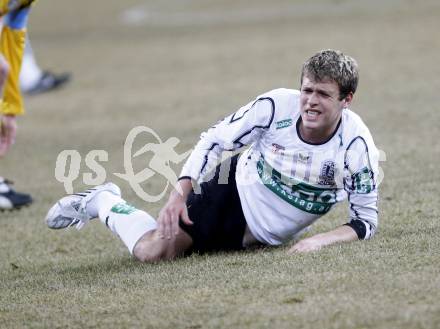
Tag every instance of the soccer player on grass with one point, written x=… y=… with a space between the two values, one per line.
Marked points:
x=307 y=151
x=11 y=53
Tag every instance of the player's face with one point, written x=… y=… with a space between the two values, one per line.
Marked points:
x=320 y=109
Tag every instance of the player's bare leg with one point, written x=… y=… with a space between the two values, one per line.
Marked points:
x=134 y=227
x=152 y=248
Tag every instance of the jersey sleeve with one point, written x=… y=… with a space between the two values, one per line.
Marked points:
x=233 y=132
x=361 y=166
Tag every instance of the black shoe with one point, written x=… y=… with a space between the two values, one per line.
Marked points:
x=9 y=199
x=48 y=81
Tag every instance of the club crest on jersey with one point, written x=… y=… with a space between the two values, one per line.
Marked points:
x=283 y=123
x=278 y=149
x=327 y=176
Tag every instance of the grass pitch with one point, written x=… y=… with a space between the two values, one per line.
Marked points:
x=178 y=67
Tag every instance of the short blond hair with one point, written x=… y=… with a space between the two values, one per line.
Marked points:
x=333 y=65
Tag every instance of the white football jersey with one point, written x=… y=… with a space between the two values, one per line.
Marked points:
x=285 y=183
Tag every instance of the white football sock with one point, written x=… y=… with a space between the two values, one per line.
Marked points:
x=129 y=225
x=127 y=222
x=30 y=72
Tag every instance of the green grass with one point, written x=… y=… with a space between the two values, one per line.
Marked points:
x=181 y=79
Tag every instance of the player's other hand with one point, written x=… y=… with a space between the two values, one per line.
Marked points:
x=8 y=130
x=306 y=245
x=174 y=209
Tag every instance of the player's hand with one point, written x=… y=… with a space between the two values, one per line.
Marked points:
x=8 y=130
x=306 y=245
x=168 y=220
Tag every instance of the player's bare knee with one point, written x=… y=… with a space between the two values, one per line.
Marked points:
x=150 y=249
x=145 y=251
x=147 y=256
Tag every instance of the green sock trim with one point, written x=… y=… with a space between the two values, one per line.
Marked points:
x=123 y=208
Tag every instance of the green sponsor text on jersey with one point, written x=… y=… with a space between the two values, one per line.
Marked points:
x=311 y=199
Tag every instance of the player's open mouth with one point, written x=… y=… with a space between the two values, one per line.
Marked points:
x=312 y=114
